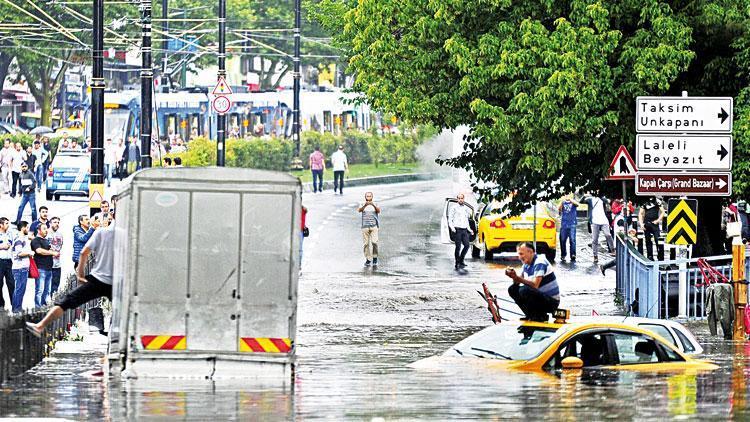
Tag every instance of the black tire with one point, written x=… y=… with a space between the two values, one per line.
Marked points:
x=48 y=194
x=475 y=252
x=488 y=254
x=57 y=197
x=550 y=254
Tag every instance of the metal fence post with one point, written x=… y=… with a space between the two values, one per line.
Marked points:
x=682 y=290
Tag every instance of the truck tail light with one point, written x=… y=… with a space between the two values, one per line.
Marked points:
x=549 y=224
x=498 y=224
x=50 y=172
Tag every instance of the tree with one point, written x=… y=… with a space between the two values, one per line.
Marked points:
x=43 y=50
x=547 y=88
x=44 y=76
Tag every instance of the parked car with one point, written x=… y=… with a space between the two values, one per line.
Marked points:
x=68 y=174
x=501 y=232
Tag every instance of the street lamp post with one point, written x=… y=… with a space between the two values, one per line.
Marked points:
x=96 y=179
x=147 y=76
x=297 y=75
x=164 y=45
x=221 y=120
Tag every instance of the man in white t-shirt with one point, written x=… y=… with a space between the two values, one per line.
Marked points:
x=18 y=157
x=93 y=286
x=6 y=160
x=340 y=165
x=599 y=223
x=110 y=160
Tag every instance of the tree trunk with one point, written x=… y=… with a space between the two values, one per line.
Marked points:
x=46 y=105
x=281 y=76
x=5 y=60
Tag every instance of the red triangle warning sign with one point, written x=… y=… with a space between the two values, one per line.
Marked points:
x=222 y=87
x=622 y=167
x=96 y=196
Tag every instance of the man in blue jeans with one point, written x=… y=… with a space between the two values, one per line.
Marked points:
x=28 y=194
x=6 y=264
x=568 y=219
x=20 y=254
x=43 y=256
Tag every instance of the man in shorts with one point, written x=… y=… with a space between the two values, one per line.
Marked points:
x=93 y=286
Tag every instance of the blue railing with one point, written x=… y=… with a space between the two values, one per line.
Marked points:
x=652 y=288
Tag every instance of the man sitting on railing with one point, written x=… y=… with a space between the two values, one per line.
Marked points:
x=98 y=283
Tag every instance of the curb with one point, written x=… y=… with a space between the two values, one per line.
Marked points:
x=376 y=180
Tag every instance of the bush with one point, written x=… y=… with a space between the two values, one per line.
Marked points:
x=272 y=154
x=367 y=147
x=277 y=153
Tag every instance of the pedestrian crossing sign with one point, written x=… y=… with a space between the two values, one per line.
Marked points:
x=682 y=222
x=222 y=87
x=623 y=166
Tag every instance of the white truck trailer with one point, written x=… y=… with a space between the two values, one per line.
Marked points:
x=206 y=269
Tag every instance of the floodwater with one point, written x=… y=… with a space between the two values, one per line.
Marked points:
x=360 y=328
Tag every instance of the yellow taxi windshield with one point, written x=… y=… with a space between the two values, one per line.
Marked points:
x=509 y=342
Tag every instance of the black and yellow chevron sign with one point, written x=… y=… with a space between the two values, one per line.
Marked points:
x=682 y=222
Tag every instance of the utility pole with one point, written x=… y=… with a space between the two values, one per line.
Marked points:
x=164 y=45
x=147 y=83
x=221 y=119
x=297 y=77
x=96 y=179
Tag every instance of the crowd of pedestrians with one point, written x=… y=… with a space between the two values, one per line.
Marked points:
x=30 y=253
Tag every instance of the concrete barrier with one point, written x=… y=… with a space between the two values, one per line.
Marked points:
x=376 y=180
x=19 y=350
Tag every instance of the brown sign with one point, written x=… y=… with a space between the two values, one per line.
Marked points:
x=683 y=184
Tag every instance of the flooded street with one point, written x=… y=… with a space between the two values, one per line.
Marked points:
x=359 y=327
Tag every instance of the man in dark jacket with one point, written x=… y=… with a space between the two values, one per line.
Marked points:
x=132 y=156
x=28 y=192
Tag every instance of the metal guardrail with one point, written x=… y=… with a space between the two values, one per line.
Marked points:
x=19 y=350
x=663 y=289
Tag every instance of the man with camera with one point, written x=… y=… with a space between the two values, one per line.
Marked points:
x=370 y=225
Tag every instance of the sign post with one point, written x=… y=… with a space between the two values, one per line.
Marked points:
x=684 y=148
x=623 y=168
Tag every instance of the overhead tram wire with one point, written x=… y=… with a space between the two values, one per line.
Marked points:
x=71 y=36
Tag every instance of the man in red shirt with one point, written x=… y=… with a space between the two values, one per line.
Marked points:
x=317 y=166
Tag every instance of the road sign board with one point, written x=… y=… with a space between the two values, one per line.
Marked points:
x=682 y=222
x=221 y=104
x=684 y=114
x=683 y=152
x=622 y=166
x=96 y=195
x=222 y=87
x=683 y=184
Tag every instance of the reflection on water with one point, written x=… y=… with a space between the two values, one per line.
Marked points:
x=345 y=374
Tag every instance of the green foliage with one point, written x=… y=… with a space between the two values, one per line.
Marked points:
x=366 y=147
x=277 y=154
x=273 y=154
x=547 y=88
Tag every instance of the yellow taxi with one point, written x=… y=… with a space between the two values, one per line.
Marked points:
x=499 y=232
x=549 y=347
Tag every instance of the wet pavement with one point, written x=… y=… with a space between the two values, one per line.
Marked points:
x=359 y=328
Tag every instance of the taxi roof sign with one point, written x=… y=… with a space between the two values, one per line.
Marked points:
x=622 y=166
x=222 y=87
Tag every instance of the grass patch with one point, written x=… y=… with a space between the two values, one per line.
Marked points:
x=363 y=170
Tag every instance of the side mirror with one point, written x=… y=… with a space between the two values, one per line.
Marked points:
x=572 y=362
